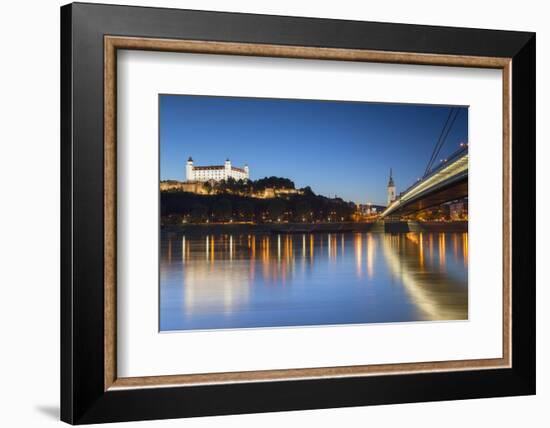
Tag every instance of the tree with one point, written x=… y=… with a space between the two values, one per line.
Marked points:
x=208 y=187
x=222 y=210
x=302 y=211
x=231 y=184
x=245 y=210
x=273 y=182
x=276 y=209
x=307 y=191
x=199 y=212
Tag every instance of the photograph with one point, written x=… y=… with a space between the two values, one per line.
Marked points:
x=300 y=213
x=275 y=210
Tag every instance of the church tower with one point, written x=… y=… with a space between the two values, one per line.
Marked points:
x=391 y=189
x=227 y=168
x=189 y=173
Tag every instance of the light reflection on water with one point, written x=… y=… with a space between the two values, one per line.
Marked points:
x=261 y=280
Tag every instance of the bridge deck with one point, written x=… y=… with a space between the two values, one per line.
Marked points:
x=447 y=183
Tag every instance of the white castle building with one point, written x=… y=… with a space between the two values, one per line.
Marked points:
x=215 y=172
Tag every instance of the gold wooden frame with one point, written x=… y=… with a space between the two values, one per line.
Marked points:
x=113 y=43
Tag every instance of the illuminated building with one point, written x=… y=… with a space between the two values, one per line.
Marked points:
x=391 y=189
x=215 y=172
x=458 y=211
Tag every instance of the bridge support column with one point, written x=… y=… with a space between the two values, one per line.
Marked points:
x=396 y=227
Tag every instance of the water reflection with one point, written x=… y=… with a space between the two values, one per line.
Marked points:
x=247 y=280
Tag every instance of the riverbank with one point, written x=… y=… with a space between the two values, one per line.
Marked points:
x=296 y=228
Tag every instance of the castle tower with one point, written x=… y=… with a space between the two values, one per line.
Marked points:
x=189 y=172
x=391 y=189
x=227 y=168
x=246 y=171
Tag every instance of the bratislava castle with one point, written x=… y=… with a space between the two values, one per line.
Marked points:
x=215 y=172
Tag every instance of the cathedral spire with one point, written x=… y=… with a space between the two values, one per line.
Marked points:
x=390 y=182
x=391 y=189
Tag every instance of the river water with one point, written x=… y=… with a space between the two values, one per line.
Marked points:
x=274 y=280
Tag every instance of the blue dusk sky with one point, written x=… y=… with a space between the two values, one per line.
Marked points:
x=337 y=148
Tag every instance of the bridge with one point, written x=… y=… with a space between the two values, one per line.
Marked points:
x=446 y=182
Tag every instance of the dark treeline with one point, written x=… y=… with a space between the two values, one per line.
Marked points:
x=194 y=208
x=250 y=187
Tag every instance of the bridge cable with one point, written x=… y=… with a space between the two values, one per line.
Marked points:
x=438 y=141
x=442 y=138
x=457 y=112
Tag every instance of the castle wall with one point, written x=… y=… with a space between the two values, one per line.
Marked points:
x=192 y=187
x=216 y=173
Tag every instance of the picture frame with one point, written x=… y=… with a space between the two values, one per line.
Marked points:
x=91 y=35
